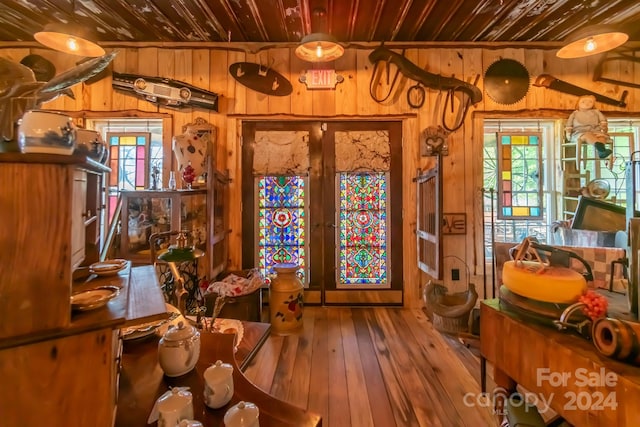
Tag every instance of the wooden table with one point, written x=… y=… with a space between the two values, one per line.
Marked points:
x=142 y=382
x=584 y=387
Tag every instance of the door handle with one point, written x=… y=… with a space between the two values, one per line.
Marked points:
x=330 y=224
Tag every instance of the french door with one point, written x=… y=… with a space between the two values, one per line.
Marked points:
x=326 y=196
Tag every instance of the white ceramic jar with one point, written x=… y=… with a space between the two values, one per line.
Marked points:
x=242 y=414
x=218 y=384
x=42 y=131
x=179 y=349
x=175 y=406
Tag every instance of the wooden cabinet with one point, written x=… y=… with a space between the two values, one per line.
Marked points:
x=146 y=212
x=58 y=367
x=44 y=236
x=66 y=381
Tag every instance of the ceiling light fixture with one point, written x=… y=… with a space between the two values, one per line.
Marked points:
x=592 y=40
x=69 y=38
x=320 y=46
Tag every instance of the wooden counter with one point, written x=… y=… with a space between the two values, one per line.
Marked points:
x=142 y=382
x=138 y=301
x=584 y=387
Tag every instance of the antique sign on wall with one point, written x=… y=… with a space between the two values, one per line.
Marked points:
x=454 y=223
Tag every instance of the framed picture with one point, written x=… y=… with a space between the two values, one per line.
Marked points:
x=597 y=215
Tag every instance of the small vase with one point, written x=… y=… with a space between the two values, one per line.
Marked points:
x=188 y=175
x=172 y=180
x=286 y=299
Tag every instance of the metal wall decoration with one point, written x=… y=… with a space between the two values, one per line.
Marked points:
x=433 y=141
x=164 y=91
x=506 y=81
x=550 y=82
x=261 y=78
x=468 y=93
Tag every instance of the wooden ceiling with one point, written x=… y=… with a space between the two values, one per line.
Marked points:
x=350 y=21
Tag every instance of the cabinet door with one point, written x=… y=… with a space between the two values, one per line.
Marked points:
x=78 y=215
x=61 y=382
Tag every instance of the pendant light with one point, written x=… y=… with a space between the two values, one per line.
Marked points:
x=320 y=46
x=69 y=38
x=592 y=40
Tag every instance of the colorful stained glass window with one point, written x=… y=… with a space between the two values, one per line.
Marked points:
x=128 y=160
x=362 y=229
x=282 y=222
x=520 y=175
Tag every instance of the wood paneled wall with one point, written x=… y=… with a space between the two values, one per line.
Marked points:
x=208 y=68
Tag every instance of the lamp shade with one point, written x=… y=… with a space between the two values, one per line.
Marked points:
x=592 y=40
x=319 y=47
x=69 y=38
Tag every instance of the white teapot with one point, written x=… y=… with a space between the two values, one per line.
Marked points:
x=172 y=407
x=242 y=414
x=179 y=349
x=218 y=384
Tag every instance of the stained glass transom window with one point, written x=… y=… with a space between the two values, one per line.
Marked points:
x=520 y=175
x=362 y=230
x=127 y=159
x=282 y=222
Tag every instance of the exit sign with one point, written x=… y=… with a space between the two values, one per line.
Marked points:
x=321 y=79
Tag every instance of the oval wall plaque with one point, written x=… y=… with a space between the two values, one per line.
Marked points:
x=261 y=79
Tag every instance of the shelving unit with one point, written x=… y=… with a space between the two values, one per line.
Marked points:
x=573 y=179
x=576 y=174
x=145 y=212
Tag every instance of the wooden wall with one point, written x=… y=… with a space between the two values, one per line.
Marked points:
x=208 y=68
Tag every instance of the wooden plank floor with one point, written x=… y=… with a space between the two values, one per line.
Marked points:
x=372 y=367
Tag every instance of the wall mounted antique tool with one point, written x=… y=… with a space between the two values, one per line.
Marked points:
x=382 y=58
x=621 y=57
x=506 y=81
x=550 y=82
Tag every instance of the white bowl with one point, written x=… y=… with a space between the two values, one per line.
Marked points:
x=41 y=131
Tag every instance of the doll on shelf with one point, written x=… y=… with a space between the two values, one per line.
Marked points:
x=588 y=124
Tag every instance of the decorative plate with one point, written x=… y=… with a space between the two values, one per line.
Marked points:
x=93 y=298
x=108 y=267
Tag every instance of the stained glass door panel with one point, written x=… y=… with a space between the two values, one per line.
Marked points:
x=362 y=231
x=281 y=230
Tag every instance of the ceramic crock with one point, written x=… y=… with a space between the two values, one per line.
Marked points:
x=179 y=349
x=242 y=414
x=41 y=131
x=286 y=299
x=90 y=142
x=218 y=384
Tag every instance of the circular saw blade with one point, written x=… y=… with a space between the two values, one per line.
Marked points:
x=506 y=81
